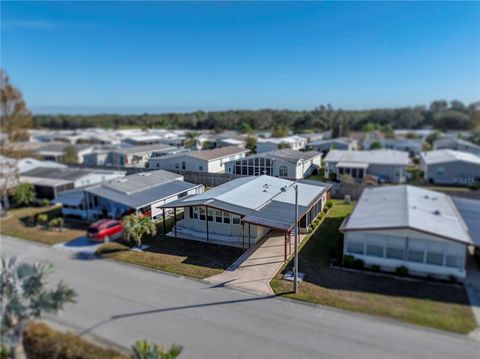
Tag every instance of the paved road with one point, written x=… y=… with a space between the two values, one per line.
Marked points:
x=122 y=303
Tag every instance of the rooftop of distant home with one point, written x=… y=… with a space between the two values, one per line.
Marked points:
x=441 y=156
x=386 y=157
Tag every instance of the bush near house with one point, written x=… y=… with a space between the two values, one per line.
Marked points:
x=42 y=342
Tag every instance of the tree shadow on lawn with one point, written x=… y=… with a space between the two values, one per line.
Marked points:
x=326 y=244
x=196 y=253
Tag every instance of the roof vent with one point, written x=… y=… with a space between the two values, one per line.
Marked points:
x=265 y=185
x=436 y=212
x=145 y=174
x=426 y=196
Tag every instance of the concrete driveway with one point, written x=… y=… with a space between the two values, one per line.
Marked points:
x=254 y=270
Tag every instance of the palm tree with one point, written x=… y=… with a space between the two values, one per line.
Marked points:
x=192 y=139
x=135 y=227
x=144 y=350
x=24 y=194
x=24 y=296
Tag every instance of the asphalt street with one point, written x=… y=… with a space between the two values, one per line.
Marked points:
x=121 y=303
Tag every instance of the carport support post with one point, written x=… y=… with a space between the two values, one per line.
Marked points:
x=249 y=235
x=285 y=248
x=243 y=235
x=206 y=220
x=164 y=224
x=295 y=263
x=175 y=220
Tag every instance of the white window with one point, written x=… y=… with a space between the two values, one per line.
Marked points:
x=218 y=216
x=355 y=246
x=375 y=247
x=195 y=212
x=395 y=248
x=455 y=256
x=200 y=168
x=283 y=171
x=226 y=217
x=416 y=250
x=177 y=165
x=435 y=253
x=235 y=219
x=440 y=170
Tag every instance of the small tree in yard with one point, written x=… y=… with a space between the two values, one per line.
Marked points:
x=144 y=350
x=24 y=194
x=135 y=227
x=24 y=296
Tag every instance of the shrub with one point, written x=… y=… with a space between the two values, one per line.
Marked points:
x=348 y=261
x=30 y=221
x=42 y=342
x=56 y=223
x=332 y=176
x=329 y=203
x=42 y=218
x=452 y=278
x=401 y=271
x=44 y=202
x=110 y=247
x=358 y=264
x=325 y=209
x=375 y=268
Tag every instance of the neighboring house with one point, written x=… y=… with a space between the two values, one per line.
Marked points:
x=413 y=147
x=284 y=163
x=140 y=193
x=230 y=141
x=211 y=161
x=341 y=143
x=56 y=151
x=272 y=144
x=8 y=180
x=27 y=164
x=143 y=140
x=452 y=143
x=387 y=165
x=450 y=167
x=49 y=181
x=423 y=230
x=134 y=156
x=319 y=136
x=241 y=212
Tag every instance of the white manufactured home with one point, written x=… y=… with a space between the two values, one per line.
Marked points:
x=450 y=167
x=408 y=226
x=286 y=163
x=241 y=212
x=212 y=161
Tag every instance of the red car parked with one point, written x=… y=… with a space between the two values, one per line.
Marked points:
x=105 y=230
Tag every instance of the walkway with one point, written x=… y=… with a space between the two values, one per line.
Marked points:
x=254 y=270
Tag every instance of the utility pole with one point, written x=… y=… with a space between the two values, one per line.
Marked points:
x=295 y=264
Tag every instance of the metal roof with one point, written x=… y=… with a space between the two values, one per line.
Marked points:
x=470 y=211
x=440 y=156
x=66 y=173
x=143 y=197
x=263 y=200
x=386 y=157
x=353 y=164
x=143 y=149
x=140 y=181
x=397 y=207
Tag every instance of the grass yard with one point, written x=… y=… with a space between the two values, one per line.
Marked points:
x=14 y=225
x=425 y=303
x=184 y=257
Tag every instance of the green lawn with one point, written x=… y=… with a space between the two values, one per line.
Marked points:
x=14 y=224
x=423 y=303
x=180 y=256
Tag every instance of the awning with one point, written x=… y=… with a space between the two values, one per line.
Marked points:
x=70 y=198
x=363 y=165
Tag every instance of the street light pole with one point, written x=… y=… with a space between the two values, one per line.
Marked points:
x=295 y=264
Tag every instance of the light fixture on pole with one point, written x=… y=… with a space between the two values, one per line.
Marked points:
x=295 y=264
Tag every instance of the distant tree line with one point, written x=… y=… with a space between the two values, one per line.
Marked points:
x=440 y=114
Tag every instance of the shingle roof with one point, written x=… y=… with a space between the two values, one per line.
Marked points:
x=440 y=156
x=397 y=207
x=143 y=149
x=388 y=157
x=67 y=173
x=289 y=155
x=216 y=153
x=144 y=196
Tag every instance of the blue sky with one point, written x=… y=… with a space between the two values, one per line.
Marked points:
x=119 y=55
